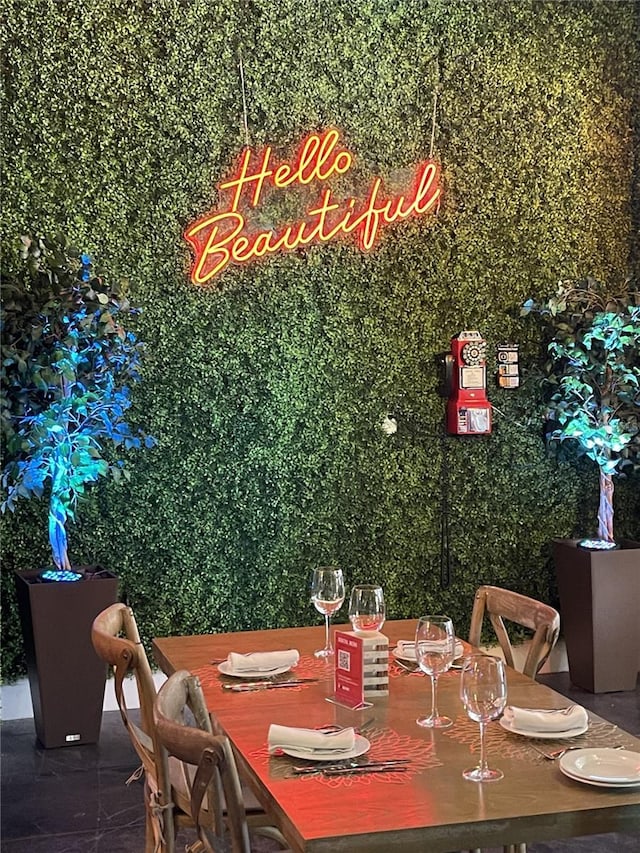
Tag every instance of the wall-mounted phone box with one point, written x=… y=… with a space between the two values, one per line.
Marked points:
x=468 y=409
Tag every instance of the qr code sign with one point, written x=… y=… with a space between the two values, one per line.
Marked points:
x=344 y=660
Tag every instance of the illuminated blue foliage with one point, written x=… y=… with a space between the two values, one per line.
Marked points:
x=592 y=378
x=68 y=364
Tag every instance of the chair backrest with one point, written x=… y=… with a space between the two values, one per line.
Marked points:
x=216 y=775
x=116 y=639
x=500 y=604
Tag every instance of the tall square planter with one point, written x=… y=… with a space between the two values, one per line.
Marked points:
x=600 y=614
x=66 y=677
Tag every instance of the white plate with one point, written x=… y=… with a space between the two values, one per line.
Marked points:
x=360 y=746
x=609 y=766
x=617 y=785
x=579 y=730
x=410 y=655
x=225 y=669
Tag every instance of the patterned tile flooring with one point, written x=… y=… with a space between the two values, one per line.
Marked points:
x=75 y=800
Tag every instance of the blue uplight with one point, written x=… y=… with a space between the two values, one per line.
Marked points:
x=597 y=545
x=60 y=575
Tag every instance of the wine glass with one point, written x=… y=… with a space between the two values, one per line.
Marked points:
x=366 y=607
x=483 y=690
x=327 y=594
x=435 y=647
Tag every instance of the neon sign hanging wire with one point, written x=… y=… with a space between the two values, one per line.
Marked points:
x=225 y=235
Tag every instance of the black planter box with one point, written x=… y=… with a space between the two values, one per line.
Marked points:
x=66 y=676
x=600 y=614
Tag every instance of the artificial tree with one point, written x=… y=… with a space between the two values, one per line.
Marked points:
x=67 y=367
x=592 y=378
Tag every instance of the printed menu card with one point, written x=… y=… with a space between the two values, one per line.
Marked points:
x=349 y=673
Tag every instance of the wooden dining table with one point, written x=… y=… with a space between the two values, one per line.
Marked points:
x=426 y=806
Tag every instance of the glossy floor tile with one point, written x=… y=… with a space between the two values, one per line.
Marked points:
x=70 y=799
x=76 y=799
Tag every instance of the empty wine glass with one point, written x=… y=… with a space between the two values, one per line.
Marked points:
x=366 y=607
x=435 y=647
x=327 y=594
x=483 y=690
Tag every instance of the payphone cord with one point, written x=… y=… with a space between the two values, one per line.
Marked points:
x=445 y=553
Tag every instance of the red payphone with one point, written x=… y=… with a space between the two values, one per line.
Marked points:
x=468 y=410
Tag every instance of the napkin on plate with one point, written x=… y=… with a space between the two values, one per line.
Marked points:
x=407 y=648
x=535 y=720
x=310 y=740
x=262 y=661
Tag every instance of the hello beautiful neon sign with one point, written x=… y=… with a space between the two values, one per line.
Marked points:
x=226 y=235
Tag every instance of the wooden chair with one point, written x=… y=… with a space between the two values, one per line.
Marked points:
x=167 y=796
x=500 y=604
x=215 y=784
x=127 y=656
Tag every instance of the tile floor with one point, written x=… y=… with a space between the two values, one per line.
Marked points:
x=75 y=800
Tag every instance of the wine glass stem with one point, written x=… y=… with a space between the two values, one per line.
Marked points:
x=434 y=704
x=326 y=631
x=483 y=758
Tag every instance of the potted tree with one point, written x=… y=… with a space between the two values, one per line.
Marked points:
x=67 y=367
x=592 y=381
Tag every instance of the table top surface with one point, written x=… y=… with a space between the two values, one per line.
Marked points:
x=428 y=803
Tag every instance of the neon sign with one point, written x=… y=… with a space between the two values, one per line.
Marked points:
x=226 y=235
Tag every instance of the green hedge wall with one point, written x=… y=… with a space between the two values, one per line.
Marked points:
x=266 y=393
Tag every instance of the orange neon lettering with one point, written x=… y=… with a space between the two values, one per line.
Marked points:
x=324 y=155
x=367 y=234
x=238 y=182
x=261 y=176
x=283 y=241
x=308 y=159
x=302 y=238
x=241 y=249
x=343 y=162
x=282 y=176
x=287 y=240
x=204 y=251
x=322 y=211
x=393 y=210
x=262 y=244
x=341 y=225
x=316 y=161
x=226 y=236
x=427 y=195
x=244 y=178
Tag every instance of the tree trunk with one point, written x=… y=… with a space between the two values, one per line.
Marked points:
x=58 y=518
x=605 y=509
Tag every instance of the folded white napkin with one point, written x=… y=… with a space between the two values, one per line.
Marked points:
x=535 y=720
x=407 y=648
x=310 y=740
x=262 y=661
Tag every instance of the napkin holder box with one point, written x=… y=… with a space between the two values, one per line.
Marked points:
x=375 y=663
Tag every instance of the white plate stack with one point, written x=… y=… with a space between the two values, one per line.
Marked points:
x=606 y=768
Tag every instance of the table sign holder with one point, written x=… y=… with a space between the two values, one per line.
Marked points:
x=362 y=668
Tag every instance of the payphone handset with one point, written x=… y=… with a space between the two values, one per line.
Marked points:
x=468 y=409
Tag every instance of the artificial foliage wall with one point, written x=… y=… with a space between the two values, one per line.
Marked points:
x=266 y=390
